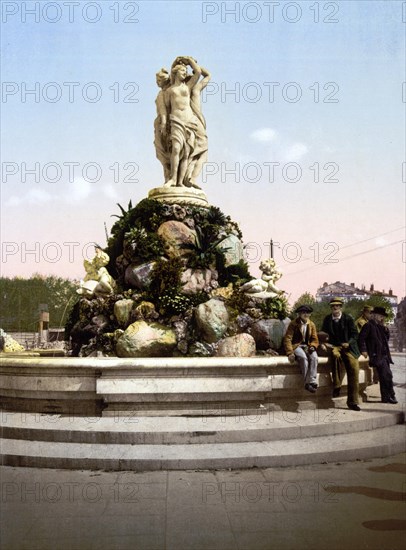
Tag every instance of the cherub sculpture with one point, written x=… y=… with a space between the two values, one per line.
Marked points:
x=98 y=280
x=264 y=287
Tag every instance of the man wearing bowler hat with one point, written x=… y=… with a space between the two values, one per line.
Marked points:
x=300 y=343
x=359 y=323
x=343 y=346
x=373 y=341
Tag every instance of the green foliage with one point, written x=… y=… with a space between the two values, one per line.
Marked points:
x=20 y=299
x=166 y=276
x=72 y=318
x=215 y=216
x=320 y=309
x=204 y=251
x=275 y=308
x=147 y=216
x=142 y=244
x=305 y=298
x=238 y=301
x=165 y=289
x=134 y=235
x=352 y=307
x=238 y=274
x=173 y=303
x=123 y=212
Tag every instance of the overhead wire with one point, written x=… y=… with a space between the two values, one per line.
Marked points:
x=348 y=246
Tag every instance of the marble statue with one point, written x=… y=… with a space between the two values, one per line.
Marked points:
x=98 y=280
x=265 y=286
x=160 y=125
x=180 y=128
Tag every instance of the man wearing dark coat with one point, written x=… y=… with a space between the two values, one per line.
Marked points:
x=343 y=346
x=373 y=342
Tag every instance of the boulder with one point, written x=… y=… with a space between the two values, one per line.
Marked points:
x=212 y=320
x=240 y=345
x=196 y=280
x=122 y=311
x=139 y=276
x=175 y=235
x=145 y=311
x=143 y=339
x=233 y=249
x=268 y=333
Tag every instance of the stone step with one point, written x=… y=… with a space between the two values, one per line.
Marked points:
x=264 y=454
x=269 y=425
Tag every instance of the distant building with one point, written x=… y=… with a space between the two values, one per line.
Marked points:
x=351 y=292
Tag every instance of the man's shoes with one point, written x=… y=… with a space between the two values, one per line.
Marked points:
x=391 y=400
x=336 y=392
x=353 y=407
x=310 y=388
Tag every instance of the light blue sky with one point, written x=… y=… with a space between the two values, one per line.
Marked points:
x=363 y=56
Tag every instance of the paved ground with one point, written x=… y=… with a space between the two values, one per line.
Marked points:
x=360 y=505
x=356 y=505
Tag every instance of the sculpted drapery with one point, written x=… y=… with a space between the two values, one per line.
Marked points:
x=180 y=128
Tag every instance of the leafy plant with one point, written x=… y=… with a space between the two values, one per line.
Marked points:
x=275 y=308
x=215 y=216
x=140 y=243
x=147 y=215
x=238 y=274
x=204 y=251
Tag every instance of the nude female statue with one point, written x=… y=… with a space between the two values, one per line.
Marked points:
x=160 y=124
x=182 y=144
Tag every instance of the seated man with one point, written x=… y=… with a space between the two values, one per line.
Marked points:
x=300 y=343
x=373 y=341
x=344 y=351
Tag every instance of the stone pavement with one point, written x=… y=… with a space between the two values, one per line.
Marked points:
x=358 y=505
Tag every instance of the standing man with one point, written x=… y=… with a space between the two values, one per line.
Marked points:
x=343 y=334
x=364 y=318
x=300 y=343
x=359 y=323
x=373 y=341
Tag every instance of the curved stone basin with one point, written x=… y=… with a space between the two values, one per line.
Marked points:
x=159 y=386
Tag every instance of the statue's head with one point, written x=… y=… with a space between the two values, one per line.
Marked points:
x=162 y=78
x=179 y=70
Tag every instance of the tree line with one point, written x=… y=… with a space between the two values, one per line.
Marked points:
x=21 y=300
x=353 y=307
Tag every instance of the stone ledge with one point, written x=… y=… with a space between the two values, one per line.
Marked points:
x=92 y=385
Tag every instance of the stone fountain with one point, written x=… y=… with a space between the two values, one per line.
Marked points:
x=175 y=345
x=172 y=280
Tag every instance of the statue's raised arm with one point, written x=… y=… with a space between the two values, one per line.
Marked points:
x=180 y=128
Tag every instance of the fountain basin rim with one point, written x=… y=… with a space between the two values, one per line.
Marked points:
x=107 y=363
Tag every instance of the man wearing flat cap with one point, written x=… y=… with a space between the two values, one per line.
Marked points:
x=300 y=343
x=343 y=346
x=373 y=341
